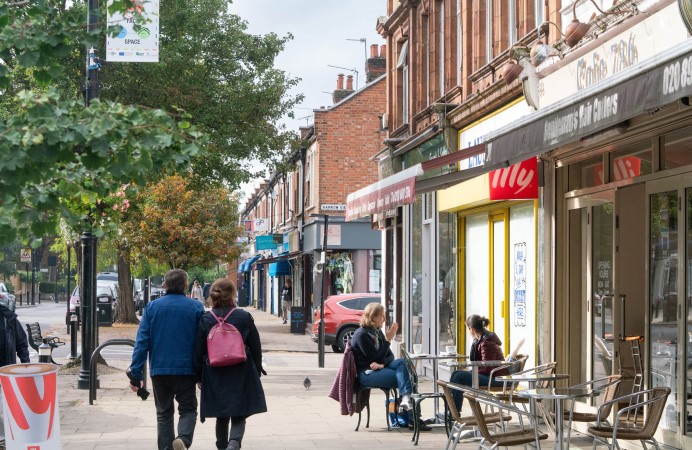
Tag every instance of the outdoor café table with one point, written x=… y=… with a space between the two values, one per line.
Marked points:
x=474 y=365
x=435 y=359
x=531 y=379
x=559 y=395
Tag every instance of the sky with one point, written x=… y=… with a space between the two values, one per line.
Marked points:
x=320 y=29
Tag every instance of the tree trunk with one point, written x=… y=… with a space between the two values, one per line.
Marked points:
x=126 y=304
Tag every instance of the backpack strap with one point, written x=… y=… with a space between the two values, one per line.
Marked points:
x=219 y=320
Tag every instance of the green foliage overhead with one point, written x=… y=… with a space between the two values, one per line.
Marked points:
x=224 y=77
x=58 y=158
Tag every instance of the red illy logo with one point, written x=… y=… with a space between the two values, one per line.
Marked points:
x=34 y=447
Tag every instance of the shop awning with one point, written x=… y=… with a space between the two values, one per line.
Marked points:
x=282 y=257
x=279 y=268
x=401 y=188
x=246 y=265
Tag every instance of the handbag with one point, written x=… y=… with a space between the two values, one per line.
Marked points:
x=225 y=345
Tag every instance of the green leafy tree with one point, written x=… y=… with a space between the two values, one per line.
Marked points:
x=224 y=77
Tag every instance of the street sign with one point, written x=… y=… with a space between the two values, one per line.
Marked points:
x=26 y=255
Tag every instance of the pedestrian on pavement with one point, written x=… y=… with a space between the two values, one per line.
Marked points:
x=205 y=291
x=231 y=393
x=286 y=298
x=13 y=343
x=197 y=293
x=486 y=346
x=167 y=335
x=374 y=358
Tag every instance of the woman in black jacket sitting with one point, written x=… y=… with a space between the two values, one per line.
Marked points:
x=375 y=361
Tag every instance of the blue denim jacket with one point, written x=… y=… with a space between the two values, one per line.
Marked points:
x=167 y=335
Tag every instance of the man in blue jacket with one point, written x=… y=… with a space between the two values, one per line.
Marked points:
x=167 y=336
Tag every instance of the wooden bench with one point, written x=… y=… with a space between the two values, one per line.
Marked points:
x=36 y=339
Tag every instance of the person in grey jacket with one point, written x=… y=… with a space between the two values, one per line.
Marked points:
x=167 y=334
x=12 y=344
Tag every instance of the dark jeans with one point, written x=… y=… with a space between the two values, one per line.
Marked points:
x=465 y=377
x=237 y=431
x=182 y=389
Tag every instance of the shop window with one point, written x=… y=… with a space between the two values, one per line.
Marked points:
x=631 y=162
x=677 y=148
x=585 y=173
x=447 y=281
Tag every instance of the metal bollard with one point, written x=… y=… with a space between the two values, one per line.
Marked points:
x=44 y=352
x=73 y=336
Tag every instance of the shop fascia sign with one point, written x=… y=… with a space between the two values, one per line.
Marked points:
x=268 y=241
x=651 y=36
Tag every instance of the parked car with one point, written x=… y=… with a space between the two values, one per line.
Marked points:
x=110 y=278
x=101 y=290
x=5 y=296
x=341 y=318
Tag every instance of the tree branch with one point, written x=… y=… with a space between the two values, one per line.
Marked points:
x=18 y=4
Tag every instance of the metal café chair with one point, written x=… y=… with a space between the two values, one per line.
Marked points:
x=458 y=422
x=609 y=386
x=417 y=397
x=522 y=436
x=625 y=425
x=508 y=392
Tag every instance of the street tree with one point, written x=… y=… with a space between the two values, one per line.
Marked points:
x=183 y=228
x=58 y=158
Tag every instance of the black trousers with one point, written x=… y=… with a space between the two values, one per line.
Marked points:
x=237 y=430
x=182 y=389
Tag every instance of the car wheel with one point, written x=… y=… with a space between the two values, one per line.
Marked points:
x=343 y=337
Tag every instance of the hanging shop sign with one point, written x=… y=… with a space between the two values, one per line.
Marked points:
x=652 y=35
x=260 y=225
x=519 y=181
x=268 y=241
x=138 y=38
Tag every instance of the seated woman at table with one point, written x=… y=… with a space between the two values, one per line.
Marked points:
x=486 y=346
x=375 y=361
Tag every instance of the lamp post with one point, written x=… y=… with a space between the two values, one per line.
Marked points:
x=87 y=282
x=320 y=339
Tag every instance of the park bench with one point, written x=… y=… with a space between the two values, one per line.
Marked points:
x=36 y=339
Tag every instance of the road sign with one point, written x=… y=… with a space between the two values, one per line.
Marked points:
x=26 y=255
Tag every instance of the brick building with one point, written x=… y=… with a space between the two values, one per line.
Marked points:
x=333 y=160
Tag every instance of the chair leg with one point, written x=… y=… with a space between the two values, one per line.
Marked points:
x=386 y=406
x=358 y=424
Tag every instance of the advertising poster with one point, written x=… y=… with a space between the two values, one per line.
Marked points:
x=138 y=39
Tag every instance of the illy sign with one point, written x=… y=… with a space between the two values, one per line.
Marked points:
x=519 y=181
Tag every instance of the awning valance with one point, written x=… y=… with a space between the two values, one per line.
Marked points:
x=283 y=257
x=279 y=268
x=246 y=265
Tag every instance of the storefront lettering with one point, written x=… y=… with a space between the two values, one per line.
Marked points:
x=585 y=115
x=512 y=177
x=623 y=54
x=677 y=75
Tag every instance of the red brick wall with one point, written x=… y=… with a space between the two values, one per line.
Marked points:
x=347 y=136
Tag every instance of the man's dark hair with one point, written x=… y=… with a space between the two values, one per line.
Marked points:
x=176 y=281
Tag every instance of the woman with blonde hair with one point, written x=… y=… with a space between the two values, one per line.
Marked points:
x=375 y=361
x=232 y=393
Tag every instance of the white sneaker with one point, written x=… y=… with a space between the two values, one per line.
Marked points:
x=178 y=444
x=405 y=404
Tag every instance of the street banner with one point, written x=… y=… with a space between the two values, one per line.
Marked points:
x=30 y=404
x=138 y=39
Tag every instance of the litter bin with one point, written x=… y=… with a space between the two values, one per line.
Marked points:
x=104 y=308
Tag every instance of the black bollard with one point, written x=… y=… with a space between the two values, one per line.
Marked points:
x=44 y=352
x=73 y=336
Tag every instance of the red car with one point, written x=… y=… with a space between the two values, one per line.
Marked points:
x=341 y=318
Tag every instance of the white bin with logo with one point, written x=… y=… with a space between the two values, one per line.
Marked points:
x=30 y=406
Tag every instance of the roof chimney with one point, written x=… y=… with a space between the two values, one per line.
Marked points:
x=349 y=83
x=376 y=65
x=340 y=93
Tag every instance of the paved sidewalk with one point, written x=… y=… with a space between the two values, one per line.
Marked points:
x=297 y=418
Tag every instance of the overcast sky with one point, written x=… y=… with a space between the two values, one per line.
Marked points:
x=320 y=30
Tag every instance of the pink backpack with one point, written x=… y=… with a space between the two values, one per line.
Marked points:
x=225 y=346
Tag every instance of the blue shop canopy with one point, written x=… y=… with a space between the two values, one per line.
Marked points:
x=279 y=268
x=246 y=266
